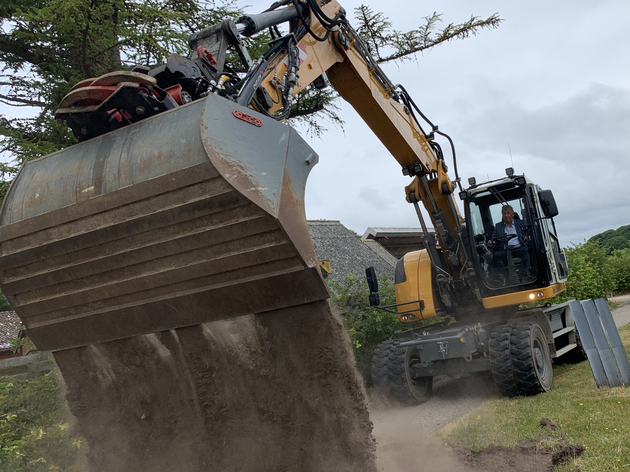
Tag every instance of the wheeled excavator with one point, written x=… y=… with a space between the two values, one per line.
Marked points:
x=183 y=203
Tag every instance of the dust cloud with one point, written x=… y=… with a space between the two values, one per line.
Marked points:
x=404 y=434
x=417 y=453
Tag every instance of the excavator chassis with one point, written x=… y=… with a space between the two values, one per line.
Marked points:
x=191 y=216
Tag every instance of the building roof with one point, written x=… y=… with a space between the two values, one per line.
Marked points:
x=380 y=250
x=347 y=252
x=397 y=241
x=9 y=329
x=374 y=232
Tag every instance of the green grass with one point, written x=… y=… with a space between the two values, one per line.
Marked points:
x=596 y=418
x=33 y=427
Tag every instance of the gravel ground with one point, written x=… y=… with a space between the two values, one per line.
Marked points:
x=622 y=314
x=403 y=433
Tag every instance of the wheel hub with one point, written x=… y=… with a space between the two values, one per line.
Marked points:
x=539 y=358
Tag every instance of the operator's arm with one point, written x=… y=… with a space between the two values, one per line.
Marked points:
x=498 y=231
x=522 y=231
x=495 y=234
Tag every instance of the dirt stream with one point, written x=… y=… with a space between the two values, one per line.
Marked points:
x=274 y=392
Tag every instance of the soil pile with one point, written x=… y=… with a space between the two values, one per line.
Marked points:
x=273 y=392
x=529 y=455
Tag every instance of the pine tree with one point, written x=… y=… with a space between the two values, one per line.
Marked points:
x=389 y=44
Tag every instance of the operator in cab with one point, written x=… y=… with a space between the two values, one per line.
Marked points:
x=509 y=235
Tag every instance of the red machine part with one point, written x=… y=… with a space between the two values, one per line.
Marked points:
x=175 y=91
x=202 y=51
x=247 y=118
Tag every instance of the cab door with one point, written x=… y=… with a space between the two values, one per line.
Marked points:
x=546 y=209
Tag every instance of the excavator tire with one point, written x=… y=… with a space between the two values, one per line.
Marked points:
x=380 y=366
x=400 y=386
x=501 y=361
x=531 y=359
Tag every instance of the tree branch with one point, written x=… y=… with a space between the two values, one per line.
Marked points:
x=377 y=31
x=21 y=102
x=17 y=97
x=17 y=50
x=410 y=44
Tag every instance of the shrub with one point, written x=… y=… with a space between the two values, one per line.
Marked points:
x=4 y=303
x=366 y=325
x=620 y=267
x=590 y=271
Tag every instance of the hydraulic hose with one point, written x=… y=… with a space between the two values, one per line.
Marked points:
x=434 y=128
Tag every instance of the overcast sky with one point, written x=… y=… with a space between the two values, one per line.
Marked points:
x=551 y=82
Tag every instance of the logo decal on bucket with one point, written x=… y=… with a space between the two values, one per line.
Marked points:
x=248 y=118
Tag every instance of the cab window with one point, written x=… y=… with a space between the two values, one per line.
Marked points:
x=502 y=263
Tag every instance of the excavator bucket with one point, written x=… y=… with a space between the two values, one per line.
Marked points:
x=190 y=216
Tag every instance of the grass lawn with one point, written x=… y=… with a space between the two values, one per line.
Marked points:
x=33 y=429
x=584 y=414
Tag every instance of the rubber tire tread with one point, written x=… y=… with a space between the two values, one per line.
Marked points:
x=523 y=361
x=399 y=388
x=380 y=366
x=501 y=361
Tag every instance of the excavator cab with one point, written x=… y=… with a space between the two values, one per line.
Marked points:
x=530 y=259
x=496 y=273
x=505 y=259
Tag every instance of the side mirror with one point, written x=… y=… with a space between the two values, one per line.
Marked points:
x=370 y=275
x=548 y=203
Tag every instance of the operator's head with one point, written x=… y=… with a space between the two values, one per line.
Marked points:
x=507 y=213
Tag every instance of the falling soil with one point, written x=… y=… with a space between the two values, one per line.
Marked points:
x=274 y=392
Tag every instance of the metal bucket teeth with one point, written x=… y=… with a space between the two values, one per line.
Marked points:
x=191 y=216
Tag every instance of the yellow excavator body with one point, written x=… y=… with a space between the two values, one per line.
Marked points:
x=416 y=285
x=184 y=205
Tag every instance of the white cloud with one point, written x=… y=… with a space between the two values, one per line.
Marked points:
x=578 y=147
